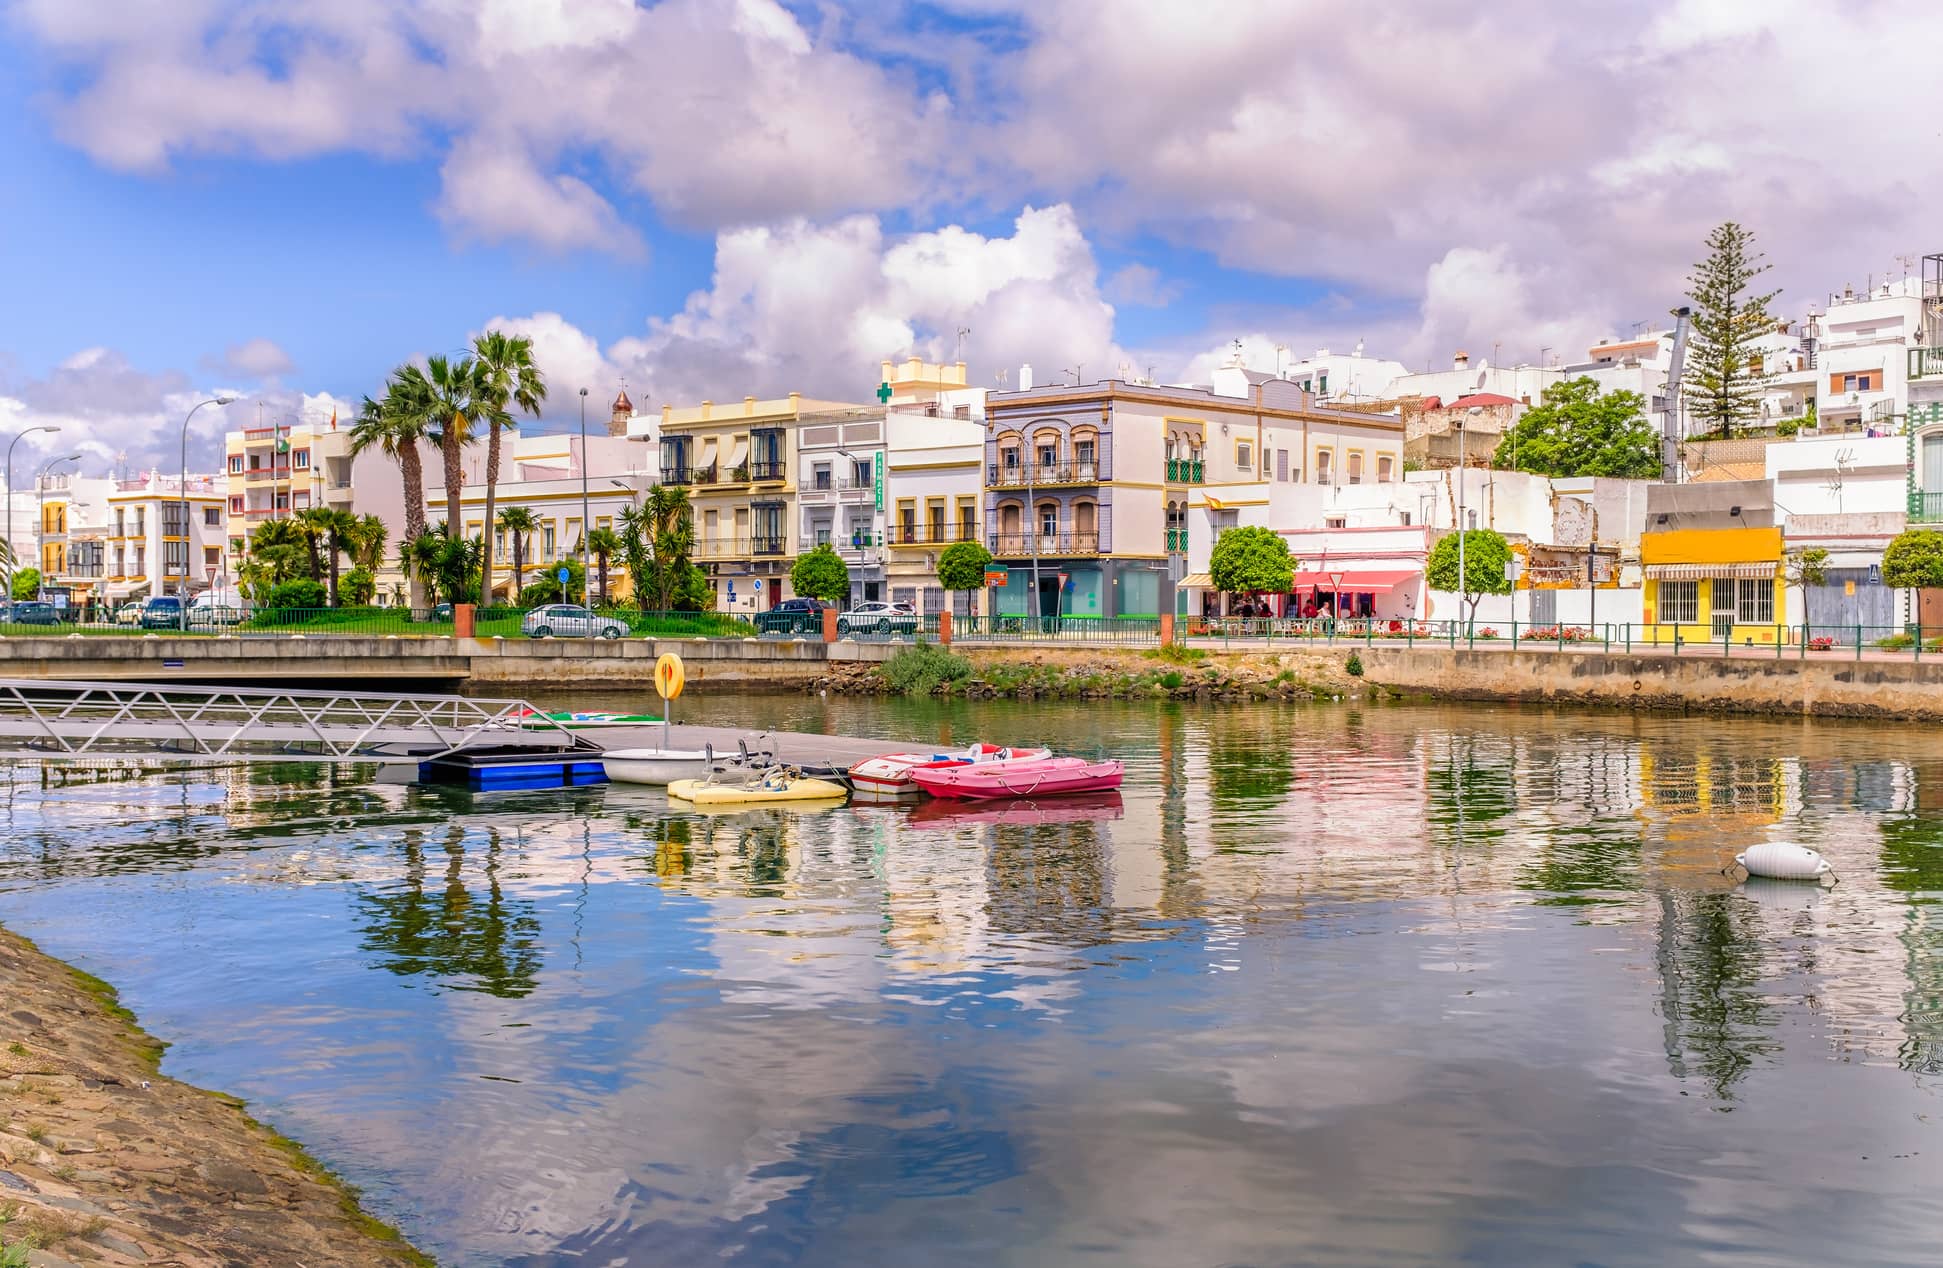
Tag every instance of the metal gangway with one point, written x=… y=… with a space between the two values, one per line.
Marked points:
x=42 y=718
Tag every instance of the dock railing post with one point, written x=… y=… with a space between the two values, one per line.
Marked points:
x=829 y=625
x=1166 y=629
x=462 y=620
x=944 y=627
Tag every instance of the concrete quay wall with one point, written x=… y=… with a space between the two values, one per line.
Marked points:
x=1831 y=686
x=325 y=662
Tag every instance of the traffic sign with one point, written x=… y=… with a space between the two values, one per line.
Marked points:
x=562 y=575
x=669 y=676
x=758 y=584
x=996 y=578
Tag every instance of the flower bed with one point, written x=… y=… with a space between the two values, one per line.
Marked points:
x=1555 y=634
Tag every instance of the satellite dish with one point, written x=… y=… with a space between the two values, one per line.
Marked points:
x=1482 y=375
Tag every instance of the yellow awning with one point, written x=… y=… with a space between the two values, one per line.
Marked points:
x=1195 y=581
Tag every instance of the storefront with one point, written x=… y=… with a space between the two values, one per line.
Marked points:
x=1714 y=585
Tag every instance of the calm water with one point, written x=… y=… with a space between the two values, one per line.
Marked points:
x=1403 y=985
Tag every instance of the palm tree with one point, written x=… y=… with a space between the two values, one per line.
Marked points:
x=278 y=551
x=395 y=426
x=366 y=541
x=315 y=523
x=518 y=521
x=671 y=530
x=452 y=397
x=337 y=527
x=420 y=556
x=511 y=380
x=603 y=544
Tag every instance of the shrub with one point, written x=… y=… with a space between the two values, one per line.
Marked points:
x=1172 y=679
x=1177 y=654
x=922 y=668
x=1353 y=666
x=1553 y=634
x=1894 y=643
x=1820 y=643
x=301 y=593
x=356 y=587
x=1487 y=632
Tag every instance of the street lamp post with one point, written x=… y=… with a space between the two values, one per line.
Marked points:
x=182 y=490
x=40 y=521
x=11 y=562
x=586 y=595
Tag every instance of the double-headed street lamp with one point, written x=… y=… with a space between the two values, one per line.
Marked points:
x=11 y=562
x=183 y=490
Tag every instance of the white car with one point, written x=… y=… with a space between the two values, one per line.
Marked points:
x=878 y=618
x=570 y=620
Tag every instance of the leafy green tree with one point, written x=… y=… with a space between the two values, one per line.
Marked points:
x=1251 y=560
x=1807 y=566
x=1722 y=387
x=279 y=550
x=962 y=567
x=603 y=544
x=26 y=583
x=358 y=586
x=365 y=541
x=1579 y=431
x=510 y=381
x=300 y=593
x=691 y=591
x=1914 y=560
x=450 y=400
x=1485 y=555
x=518 y=523
x=420 y=556
x=820 y=574
x=546 y=588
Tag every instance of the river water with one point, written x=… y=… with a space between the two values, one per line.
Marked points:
x=1396 y=985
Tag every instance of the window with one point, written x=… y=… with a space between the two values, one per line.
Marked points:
x=175 y=522
x=1384 y=467
x=820 y=533
x=1355 y=468
x=118 y=523
x=967 y=520
x=1322 y=383
x=820 y=476
x=236 y=464
x=256 y=462
x=1325 y=460
x=864 y=473
x=212 y=516
x=546 y=539
x=1680 y=602
x=211 y=556
x=934 y=515
x=1244 y=456
x=236 y=506
x=1755 y=605
x=1083 y=455
x=283 y=501
x=1049 y=520
x=1282 y=465
x=175 y=558
x=1048 y=453
x=300 y=459
x=1009 y=457
x=907 y=521
x=121 y=561
x=1335 y=521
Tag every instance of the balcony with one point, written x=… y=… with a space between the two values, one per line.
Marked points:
x=677 y=475
x=775 y=470
x=723 y=548
x=1177 y=541
x=1042 y=475
x=932 y=535
x=1012 y=545
x=768 y=545
x=1925 y=363
x=1186 y=471
x=1928 y=507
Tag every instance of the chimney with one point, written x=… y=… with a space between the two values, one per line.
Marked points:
x=1025 y=377
x=1462 y=361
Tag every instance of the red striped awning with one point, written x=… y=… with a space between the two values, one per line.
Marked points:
x=1354 y=581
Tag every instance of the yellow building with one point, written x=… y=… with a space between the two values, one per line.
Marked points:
x=738 y=463
x=1708 y=584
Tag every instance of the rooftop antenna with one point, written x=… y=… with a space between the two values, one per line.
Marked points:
x=1908 y=260
x=1003 y=377
x=1544 y=356
x=1079 y=374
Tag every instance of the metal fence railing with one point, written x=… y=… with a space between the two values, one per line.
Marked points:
x=1800 y=641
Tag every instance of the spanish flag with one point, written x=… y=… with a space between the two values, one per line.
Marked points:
x=333 y=418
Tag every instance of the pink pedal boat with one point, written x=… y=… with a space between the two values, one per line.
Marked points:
x=1040 y=777
x=890 y=774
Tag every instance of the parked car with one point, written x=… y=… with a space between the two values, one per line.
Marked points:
x=30 y=612
x=210 y=616
x=794 y=618
x=129 y=613
x=161 y=612
x=440 y=612
x=570 y=620
x=878 y=618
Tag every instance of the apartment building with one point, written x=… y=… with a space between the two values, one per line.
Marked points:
x=1090 y=489
x=165 y=537
x=70 y=531
x=936 y=453
x=1861 y=360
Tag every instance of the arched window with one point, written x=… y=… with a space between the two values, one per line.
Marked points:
x=1045 y=451
x=1048 y=518
x=1355 y=467
x=1384 y=468
x=1086 y=450
x=1008 y=519
x=1085 y=517
x=1010 y=448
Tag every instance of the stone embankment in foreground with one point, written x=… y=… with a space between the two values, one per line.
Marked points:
x=103 y=1161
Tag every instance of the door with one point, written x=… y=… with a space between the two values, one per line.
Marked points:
x=1049 y=596
x=1544 y=607
x=1724 y=606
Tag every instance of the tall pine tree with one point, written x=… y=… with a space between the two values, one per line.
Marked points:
x=1723 y=383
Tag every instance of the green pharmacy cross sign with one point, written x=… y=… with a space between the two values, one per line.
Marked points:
x=883 y=394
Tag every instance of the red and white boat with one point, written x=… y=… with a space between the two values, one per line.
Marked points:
x=1041 y=777
x=890 y=774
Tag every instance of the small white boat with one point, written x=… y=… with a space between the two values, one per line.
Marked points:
x=658 y=766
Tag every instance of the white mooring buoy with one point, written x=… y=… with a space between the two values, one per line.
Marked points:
x=1784 y=860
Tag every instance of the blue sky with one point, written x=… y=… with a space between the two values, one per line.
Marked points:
x=720 y=197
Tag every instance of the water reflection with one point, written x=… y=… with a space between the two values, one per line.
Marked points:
x=1318 y=985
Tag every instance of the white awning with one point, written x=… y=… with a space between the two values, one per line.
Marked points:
x=124 y=589
x=1195 y=581
x=1705 y=572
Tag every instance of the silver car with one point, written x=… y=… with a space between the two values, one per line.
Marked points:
x=570 y=620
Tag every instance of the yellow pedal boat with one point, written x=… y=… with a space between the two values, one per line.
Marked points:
x=774 y=787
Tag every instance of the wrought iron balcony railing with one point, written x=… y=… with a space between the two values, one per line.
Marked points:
x=1043 y=474
x=1015 y=544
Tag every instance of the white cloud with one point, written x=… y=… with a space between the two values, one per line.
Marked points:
x=494 y=192
x=1140 y=284
x=257 y=358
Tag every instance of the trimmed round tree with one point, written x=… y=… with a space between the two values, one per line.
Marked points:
x=1914 y=560
x=962 y=566
x=1251 y=560
x=1485 y=555
x=820 y=574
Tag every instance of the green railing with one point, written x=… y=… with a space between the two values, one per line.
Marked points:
x=1176 y=541
x=1925 y=362
x=1929 y=506
x=1142 y=631
x=1185 y=470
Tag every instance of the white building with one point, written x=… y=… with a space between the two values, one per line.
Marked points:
x=1333 y=378
x=152 y=549
x=1861 y=346
x=1525 y=383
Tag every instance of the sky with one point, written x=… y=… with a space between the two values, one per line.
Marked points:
x=706 y=199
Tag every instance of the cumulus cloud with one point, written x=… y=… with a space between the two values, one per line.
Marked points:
x=118 y=416
x=257 y=358
x=814 y=308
